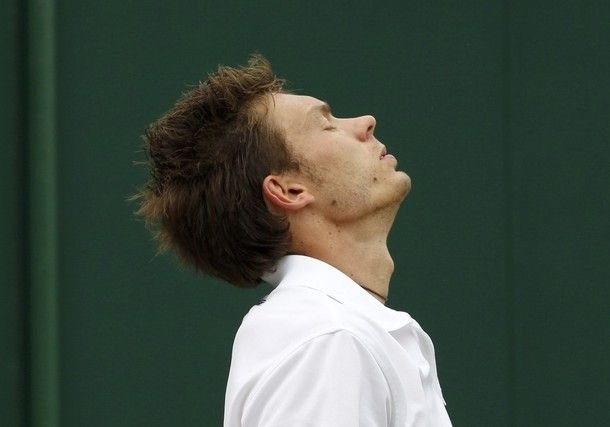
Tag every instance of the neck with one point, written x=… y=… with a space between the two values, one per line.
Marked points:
x=369 y=266
x=361 y=251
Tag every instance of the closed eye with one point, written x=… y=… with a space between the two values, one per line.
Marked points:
x=329 y=123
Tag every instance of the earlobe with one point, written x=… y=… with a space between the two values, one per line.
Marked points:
x=285 y=194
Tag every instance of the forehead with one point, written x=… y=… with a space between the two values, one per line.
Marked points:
x=293 y=112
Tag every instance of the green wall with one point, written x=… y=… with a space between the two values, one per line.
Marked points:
x=498 y=110
x=12 y=226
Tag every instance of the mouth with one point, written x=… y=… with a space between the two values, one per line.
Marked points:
x=384 y=152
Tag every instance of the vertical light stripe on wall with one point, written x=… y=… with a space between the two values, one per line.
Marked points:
x=42 y=193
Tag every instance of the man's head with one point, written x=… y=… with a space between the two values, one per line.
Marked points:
x=208 y=157
x=243 y=173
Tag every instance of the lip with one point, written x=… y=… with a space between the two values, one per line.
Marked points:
x=384 y=152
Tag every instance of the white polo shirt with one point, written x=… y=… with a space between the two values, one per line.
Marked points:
x=321 y=351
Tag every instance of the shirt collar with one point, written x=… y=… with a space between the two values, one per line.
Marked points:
x=299 y=270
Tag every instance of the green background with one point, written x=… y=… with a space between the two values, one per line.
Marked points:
x=498 y=110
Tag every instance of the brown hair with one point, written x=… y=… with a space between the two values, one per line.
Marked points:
x=208 y=157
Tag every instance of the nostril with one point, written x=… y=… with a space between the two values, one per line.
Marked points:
x=367 y=127
x=372 y=124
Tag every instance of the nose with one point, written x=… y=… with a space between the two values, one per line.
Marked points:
x=365 y=127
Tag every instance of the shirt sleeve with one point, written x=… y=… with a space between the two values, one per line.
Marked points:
x=331 y=380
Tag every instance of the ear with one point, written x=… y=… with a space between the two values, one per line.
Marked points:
x=286 y=194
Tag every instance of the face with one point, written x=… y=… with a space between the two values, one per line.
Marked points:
x=349 y=172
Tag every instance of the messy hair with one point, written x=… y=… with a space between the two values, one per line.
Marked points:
x=208 y=157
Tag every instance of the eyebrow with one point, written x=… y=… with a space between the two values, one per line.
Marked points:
x=324 y=108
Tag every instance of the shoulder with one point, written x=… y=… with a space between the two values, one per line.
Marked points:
x=340 y=371
x=291 y=315
x=297 y=340
x=285 y=321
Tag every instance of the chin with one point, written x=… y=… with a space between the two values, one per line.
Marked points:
x=405 y=184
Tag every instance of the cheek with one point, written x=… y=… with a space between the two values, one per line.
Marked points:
x=348 y=169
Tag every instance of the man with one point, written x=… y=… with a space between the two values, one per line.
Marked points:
x=251 y=183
